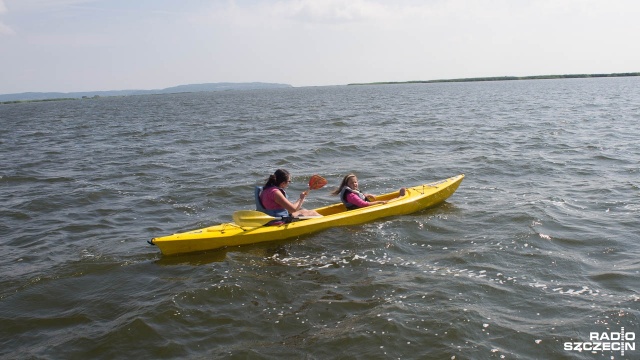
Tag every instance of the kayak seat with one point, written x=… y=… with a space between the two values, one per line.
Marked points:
x=257 y=192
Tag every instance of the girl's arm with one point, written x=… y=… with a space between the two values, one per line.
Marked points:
x=355 y=200
x=285 y=203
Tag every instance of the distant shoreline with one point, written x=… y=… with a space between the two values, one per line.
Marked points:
x=191 y=88
x=39 y=100
x=83 y=96
x=503 y=78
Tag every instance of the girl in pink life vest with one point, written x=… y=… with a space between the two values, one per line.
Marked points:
x=351 y=196
x=274 y=198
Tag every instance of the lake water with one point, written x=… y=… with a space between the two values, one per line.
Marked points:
x=537 y=249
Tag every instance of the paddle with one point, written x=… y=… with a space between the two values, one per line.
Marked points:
x=251 y=218
x=316 y=182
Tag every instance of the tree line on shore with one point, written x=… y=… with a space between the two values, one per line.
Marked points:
x=505 y=78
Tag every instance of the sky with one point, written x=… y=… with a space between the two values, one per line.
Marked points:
x=93 y=45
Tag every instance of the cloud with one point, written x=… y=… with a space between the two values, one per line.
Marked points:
x=47 y=4
x=29 y=8
x=336 y=12
x=19 y=9
x=4 y=29
x=329 y=11
x=283 y=12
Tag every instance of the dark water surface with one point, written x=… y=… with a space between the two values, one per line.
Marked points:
x=538 y=248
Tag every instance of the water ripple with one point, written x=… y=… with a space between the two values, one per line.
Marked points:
x=536 y=248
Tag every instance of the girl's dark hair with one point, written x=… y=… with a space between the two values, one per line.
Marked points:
x=345 y=180
x=277 y=178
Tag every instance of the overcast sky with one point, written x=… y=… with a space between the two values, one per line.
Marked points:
x=86 y=45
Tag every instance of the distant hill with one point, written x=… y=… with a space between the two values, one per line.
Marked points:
x=30 y=96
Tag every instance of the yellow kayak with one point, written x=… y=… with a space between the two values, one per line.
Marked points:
x=232 y=234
